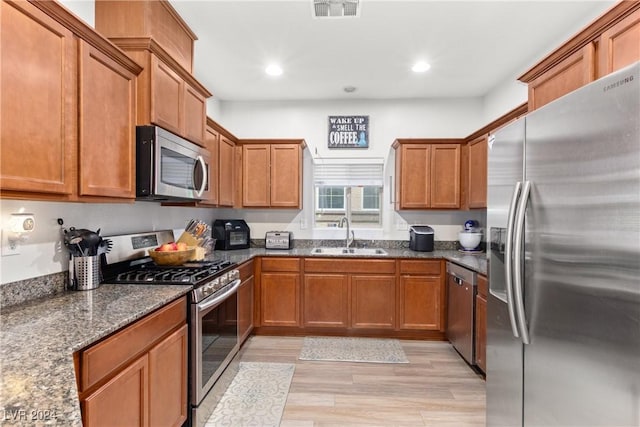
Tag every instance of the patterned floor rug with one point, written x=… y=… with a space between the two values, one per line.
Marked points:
x=371 y=350
x=256 y=396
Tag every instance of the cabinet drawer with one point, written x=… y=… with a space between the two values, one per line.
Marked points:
x=280 y=264
x=351 y=265
x=483 y=286
x=430 y=268
x=109 y=355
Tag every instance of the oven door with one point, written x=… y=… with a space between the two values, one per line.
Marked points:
x=214 y=339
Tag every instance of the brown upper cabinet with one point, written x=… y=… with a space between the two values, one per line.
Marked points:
x=272 y=173
x=155 y=19
x=475 y=160
x=227 y=181
x=477 y=183
x=153 y=34
x=427 y=173
x=609 y=43
x=82 y=90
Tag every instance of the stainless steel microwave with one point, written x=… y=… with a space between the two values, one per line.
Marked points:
x=169 y=167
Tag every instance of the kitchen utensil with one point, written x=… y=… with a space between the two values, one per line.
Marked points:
x=105 y=246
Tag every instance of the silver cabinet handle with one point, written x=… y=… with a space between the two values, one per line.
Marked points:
x=508 y=259
x=519 y=262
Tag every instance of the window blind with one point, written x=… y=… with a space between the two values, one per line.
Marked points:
x=348 y=174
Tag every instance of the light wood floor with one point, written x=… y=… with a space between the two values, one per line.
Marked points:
x=437 y=388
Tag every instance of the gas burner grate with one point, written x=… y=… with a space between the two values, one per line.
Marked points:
x=191 y=273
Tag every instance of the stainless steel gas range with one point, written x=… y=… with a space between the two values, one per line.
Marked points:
x=213 y=312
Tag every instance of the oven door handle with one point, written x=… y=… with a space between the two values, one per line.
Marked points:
x=208 y=303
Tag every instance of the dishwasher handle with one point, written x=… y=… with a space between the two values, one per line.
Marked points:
x=458 y=280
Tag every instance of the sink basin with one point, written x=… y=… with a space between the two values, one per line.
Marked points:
x=348 y=251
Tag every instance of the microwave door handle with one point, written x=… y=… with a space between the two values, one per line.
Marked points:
x=203 y=185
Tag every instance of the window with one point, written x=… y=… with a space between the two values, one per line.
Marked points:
x=370 y=198
x=348 y=188
x=331 y=199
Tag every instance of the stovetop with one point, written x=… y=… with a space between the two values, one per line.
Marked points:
x=192 y=273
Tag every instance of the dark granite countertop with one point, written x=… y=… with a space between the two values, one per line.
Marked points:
x=475 y=262
x=38 y=338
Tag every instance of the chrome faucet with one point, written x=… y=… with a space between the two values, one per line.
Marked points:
x=350 y=234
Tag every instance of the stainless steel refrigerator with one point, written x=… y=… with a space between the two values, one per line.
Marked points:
x=563 y=340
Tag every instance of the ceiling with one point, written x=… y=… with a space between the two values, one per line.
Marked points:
x=472 y=46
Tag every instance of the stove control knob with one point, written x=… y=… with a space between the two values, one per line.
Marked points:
x=215 y=284
x=234 y=274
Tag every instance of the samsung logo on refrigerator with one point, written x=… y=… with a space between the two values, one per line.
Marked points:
x=618 y=83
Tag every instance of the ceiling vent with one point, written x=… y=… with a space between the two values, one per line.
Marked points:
x=336 y=8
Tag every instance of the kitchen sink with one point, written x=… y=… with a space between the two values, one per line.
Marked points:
x=348 y=251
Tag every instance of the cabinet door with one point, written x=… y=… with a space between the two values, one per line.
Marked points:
x=481 y=333
x=245 y=308
x=212 y=142
x=168 y=380
x=573 y=72
x=107 y=126
x=38 y=107
x=325 y=300
x=255 y=175
x=286 y=172
x=373 y=302
x=123 y=401
x=415 y=175
x=421 y=303
x=620 y=45
x=195 y=115
x=478 y=173
x=445 y=176
x=166 y=96
x=280 y=296
x=226 y=176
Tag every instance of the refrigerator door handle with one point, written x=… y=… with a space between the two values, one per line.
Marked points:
x=508 y=259
x=519 y=262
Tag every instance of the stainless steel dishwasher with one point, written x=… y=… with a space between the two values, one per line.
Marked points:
x=461 y=291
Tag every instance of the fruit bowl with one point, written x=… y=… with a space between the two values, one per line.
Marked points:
x=172 y=257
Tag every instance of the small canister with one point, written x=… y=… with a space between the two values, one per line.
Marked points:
x=84 y=272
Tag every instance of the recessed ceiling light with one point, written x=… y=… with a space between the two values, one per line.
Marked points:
x=349 y=89
x=420 y=67
x=273 y=70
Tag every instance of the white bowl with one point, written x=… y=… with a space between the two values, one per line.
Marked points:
x=469 y=240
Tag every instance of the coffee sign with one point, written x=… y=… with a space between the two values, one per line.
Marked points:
x=348 y=132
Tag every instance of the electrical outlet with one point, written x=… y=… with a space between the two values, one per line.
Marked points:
x=6 y=247
x=402 y=225
x=303 y=223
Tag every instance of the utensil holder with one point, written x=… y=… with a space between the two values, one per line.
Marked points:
x=84 y=274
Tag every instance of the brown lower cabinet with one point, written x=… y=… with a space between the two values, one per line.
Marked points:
x=373 y=301
x=326 y=300
x=137 y=376
x=350 y=296
x=422 y=295
x=245 y=300
x=481 y=323
x=280 y=292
